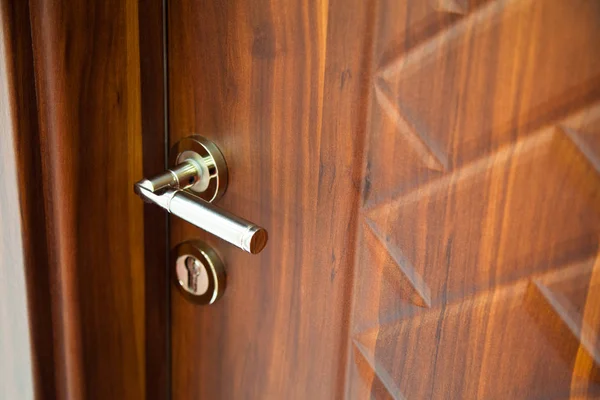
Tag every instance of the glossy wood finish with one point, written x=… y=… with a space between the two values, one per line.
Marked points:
x=429 y=174
x=477 y=249
x=86 y=58
x=275 y=86
x=76 y=73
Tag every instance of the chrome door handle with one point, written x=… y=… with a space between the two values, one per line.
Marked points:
x=198 y=178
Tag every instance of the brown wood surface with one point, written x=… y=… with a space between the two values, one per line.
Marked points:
x=86 y=59
x=254 y=77
x=429 y=174
x=477 y=249
x=74 y=74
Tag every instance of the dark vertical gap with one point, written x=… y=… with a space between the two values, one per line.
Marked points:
x=165 y=55
x=153 y=78
x=167 y=220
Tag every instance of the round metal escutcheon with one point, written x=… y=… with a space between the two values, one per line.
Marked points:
x=199 y=272
x=213 y=177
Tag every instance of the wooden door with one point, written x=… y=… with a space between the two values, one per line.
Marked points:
x=83 y=265
x=429 y=174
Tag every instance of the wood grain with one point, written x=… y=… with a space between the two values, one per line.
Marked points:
x=271 y=84
x=477 y=251
x=429 y=174
x=77 y=103
x=95 y=271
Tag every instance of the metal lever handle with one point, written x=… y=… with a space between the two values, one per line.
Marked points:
x=196 y=171
x=233 y=229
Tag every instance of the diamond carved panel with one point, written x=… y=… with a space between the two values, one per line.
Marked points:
x=489 y=78
x=495 y=345
x=463 y=233
x=477 y=255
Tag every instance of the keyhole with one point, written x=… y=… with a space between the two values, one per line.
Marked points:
x=192 y=274
x=193 y=267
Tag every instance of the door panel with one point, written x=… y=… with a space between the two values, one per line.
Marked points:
x=479 y=227
x=253 y=77
x=74 y=77
x=89 y=131
x=429 y=174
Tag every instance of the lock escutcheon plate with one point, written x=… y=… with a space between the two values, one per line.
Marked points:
x=199 y=272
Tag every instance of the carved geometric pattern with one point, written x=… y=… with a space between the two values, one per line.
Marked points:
x=381 y=268
x=451 y=6
x=467 y=203
x=419 y=287
x=410 y=23
x=450 y=118
x=584 y=130
x=513 y=316
x=376 y=383
x=572 y=295
x=466 y=131
x=442 y=266
x=430 y=155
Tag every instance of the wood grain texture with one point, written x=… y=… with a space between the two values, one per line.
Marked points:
x=478 y=251
x=87 y=72
x=273 y=84
x=429 y=173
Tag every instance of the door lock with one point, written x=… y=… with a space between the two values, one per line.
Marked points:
x=198 y=178
x=199 y=272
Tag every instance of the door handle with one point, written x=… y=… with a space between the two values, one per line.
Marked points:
x=187 y=190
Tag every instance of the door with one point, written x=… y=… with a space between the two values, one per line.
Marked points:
x=428 y=173
x=83 y=265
